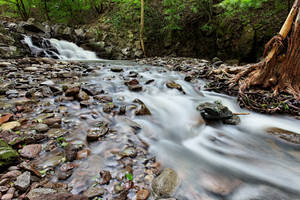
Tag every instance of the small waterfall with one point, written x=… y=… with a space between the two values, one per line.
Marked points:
x=58 y=49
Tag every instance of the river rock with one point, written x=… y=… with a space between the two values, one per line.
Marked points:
x=83 y=96
x=41 y=128
x=105 y=177
x=94 y=191
x=10 y=125
x=62 y=196
x=143 y=110
x=108 y=107
x=31 y=151
x=174 y=85
x=72 y=91
x=48 y=83
x=95 y=133
x=142 y=194
x=116 y=69
x=82 y=154
x=23 y=181
x=135 y=88
x=214 y=111
x=166 y=183
x=7 y=154
x=52 y=121
x=36 y=193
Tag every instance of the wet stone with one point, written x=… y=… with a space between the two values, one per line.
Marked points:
x=143 y=110
x=82 y=154
x=52 y=121
x=142 y=194
x=135 y=88
x=41 y=128
x=105 y=177
x=174 y=85
x=23 y=181
x=83 y=96
x=214 y=111
x=36 y=193
x=94 y=191
x=166 y=183
x=31 y=151
x=234 y=120
x=108 y=107
x=104 y=99
x=116 y=69
x=72 y=91
x=129 y=152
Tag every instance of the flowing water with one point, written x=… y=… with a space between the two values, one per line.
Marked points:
x=214 y=161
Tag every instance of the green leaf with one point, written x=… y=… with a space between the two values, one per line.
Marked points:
x=129 y=176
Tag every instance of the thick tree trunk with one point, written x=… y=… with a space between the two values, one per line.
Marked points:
x=280 y=70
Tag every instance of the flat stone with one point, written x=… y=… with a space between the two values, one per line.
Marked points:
x=31 y=151
x=41 y=128
x=62 y=196
x=92 y=191
x=23 y=181
x=116 y=69
x=36 y=193
x=7 y=197
x=10 y=125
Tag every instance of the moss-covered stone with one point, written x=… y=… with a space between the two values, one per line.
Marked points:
x=7 y=154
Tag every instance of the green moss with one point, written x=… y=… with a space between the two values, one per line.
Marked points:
x=7 y=154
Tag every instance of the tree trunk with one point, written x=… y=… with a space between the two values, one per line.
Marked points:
x=142 y=27
x=280 y=70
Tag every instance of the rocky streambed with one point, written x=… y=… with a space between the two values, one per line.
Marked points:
x=121 y=130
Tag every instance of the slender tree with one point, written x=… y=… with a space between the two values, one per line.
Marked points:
x=280 y=68
x=142 y=27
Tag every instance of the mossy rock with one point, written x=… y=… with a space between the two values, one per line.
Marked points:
x=7 y=154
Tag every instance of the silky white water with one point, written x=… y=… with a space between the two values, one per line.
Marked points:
x=245 y=152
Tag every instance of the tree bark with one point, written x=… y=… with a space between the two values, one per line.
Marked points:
x=142 y=27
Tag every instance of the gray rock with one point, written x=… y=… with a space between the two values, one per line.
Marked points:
x=31 y=151
x=92 y=191
x=23 y=181
x=41 y=128
x=166 y=183
x=37 y=192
